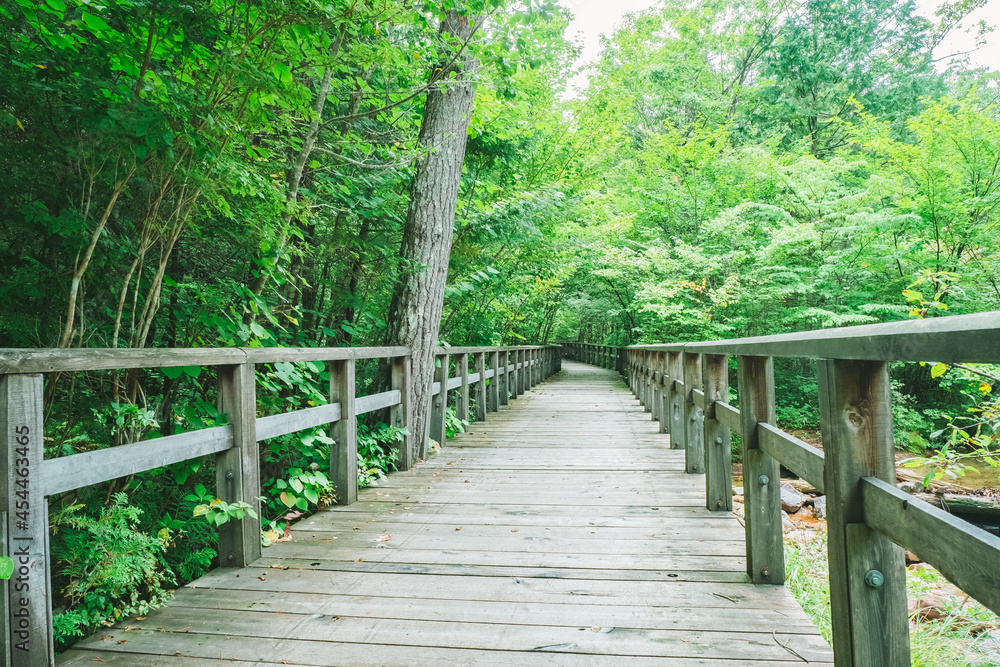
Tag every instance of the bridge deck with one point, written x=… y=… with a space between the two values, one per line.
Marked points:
x=563 y=531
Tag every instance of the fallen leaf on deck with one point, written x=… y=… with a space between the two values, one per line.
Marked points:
x=384 y=538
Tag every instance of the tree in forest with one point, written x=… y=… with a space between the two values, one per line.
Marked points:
x=415 y=312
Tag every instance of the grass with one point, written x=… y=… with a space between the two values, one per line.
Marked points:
x=943 y=643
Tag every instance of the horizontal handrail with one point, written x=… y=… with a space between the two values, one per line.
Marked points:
x=958 y=338
x=73 y=472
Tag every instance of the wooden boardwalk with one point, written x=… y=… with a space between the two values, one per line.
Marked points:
x=563 y=531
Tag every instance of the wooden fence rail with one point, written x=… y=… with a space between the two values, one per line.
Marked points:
x=27 y=480
x=870 y=521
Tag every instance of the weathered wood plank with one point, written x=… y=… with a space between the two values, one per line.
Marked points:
x=956 y=338
x=79 y=470
x=400 y=414
x=800 y=457
x=237 y=469
x=718 y=454
x=761 y=480
x=856 y=422
x=29 y=605
x=344 y=432
x=965 y=554
x=373 y=402
x=297 y=420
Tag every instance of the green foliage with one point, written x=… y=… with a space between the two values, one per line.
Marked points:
x=107 y=567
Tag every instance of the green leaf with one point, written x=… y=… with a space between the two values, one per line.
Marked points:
x=311 y=495
x=95 y=23
x=6 y=567
x=283 y=72
x=296 y=484
x=191 y=371
x=912 y=295
x=938 y=369
x=173 y=372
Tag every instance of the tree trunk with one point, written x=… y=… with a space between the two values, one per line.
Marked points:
x=418 y=298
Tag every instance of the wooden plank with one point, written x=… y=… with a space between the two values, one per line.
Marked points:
x=800 y=457
x=13 y=360
x=874 y=608
x=373 y=402
x=22 y=498
x=761 y=479
x=297 y=420
x=698 y=398
x=718 y=453
x=237 y=469
x=344 y=451
x=439 y=401
x=73 y=472
x=269 y=355
x=728 y=416
x=498 y=637
x=965 y=554
x=956 y=338
x=716 y=618
x=675 y=394
x=145 y=647
x=454 y=383
x=462 y=397
x=400 y=415
x=480 y=386
x=494 y=388
x=856 y=422
x=5 y=550
x=694 y=417
x=504 y=379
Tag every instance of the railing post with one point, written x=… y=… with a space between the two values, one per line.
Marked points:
x=718 y=460
x=694 y=439
x=439 y=403
x=665 y=392
x=676 y=400
x=399 y=415
x=462 y=400
x=655 y=377
x=29 y=603
x=480 y=359
x=504 y=377
x=869 y=622
x=493 y=400
x=237 y=470
x=761 y=481
x=344 y=451
x=522 y=357
x=647 y=382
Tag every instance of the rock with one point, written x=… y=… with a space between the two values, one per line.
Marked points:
x=819 y=507
x=791 y=498
x=738 y=509
x=912 y=558
x=803 y=486
x=786 y=524
x=737 y=490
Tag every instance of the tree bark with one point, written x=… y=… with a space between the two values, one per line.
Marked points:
x=418 y=297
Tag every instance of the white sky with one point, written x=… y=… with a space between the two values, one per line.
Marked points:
x=594 y=17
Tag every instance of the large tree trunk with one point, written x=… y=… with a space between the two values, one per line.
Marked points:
x=417 y=301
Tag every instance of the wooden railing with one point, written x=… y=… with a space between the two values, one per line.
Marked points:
x=28 y=480
x=870 y=521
